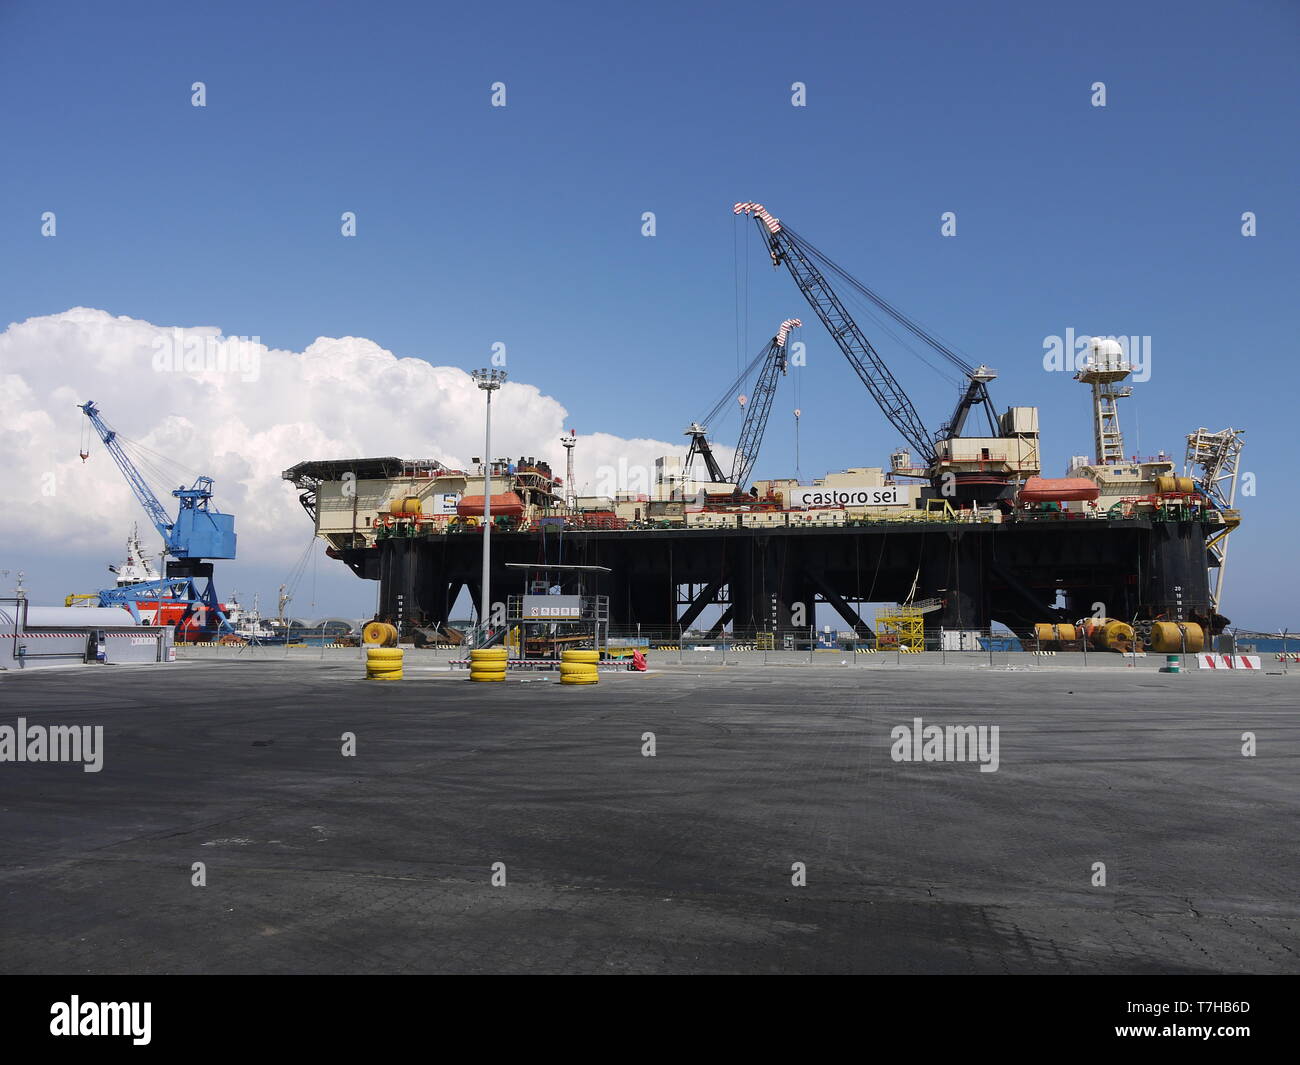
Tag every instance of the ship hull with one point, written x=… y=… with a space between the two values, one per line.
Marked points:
x=1017 y=573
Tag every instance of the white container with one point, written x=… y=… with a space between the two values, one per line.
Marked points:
x=69 y=617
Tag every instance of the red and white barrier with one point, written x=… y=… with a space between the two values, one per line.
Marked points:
x=46 y=635
x=1228 y=661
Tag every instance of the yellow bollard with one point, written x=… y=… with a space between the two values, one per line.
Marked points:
x=488 y=664
x=579 y=667
x=380 y=633
x=383 y=663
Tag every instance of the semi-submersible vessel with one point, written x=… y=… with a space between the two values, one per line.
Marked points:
x=960 y=529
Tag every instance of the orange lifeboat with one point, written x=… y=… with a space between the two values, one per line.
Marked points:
x=505 y=505
x=1058 y=490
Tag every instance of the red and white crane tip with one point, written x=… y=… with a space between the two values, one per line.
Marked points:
x=784 y=331
x=757 y=210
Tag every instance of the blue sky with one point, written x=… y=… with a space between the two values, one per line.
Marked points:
x=522 y=224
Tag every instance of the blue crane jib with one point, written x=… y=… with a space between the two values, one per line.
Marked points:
x=198 y=531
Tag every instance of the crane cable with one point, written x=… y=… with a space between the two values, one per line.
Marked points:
x=163 y=462
x=160 y=468
x=735 y=284
x=796 y=383
x=879 y=322
x=745 y=320
x=732 y=390
x=883 y=304
x=300 y=568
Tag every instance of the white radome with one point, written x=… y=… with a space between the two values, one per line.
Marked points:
x=1104 y=351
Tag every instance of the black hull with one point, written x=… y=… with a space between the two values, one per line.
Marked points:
x=661 y=579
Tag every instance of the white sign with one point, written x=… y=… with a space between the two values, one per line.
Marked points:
x=552 y=606
x=443 y=502
x=884 y=495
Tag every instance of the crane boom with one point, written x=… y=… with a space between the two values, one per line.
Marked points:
x=139 y=486
x=864 y=359
x=760 y=404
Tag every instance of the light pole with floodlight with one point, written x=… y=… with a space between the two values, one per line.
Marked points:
x=489 y=381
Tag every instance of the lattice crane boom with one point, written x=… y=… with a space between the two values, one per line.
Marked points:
x=759 y=406
x=1213 y=458
x=161 y=521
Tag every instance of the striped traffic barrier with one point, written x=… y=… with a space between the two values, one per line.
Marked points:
x=45 y=635
x=1217 y=661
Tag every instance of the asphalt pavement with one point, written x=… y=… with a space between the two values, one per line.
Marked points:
x=522 y=827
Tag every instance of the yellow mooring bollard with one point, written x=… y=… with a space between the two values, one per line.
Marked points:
x=579 y=667
x=488 y=663
x=383 y=663
x=380 y=633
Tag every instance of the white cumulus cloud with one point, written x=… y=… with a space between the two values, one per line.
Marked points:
x=241 y=414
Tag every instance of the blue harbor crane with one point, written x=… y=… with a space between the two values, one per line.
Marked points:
x=198 y=533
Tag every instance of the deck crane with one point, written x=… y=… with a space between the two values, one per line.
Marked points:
x=760 y=404
x=806 y=264
x=198 y=533
x=771 y=364
x=1215 y=457
x=699 y=434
